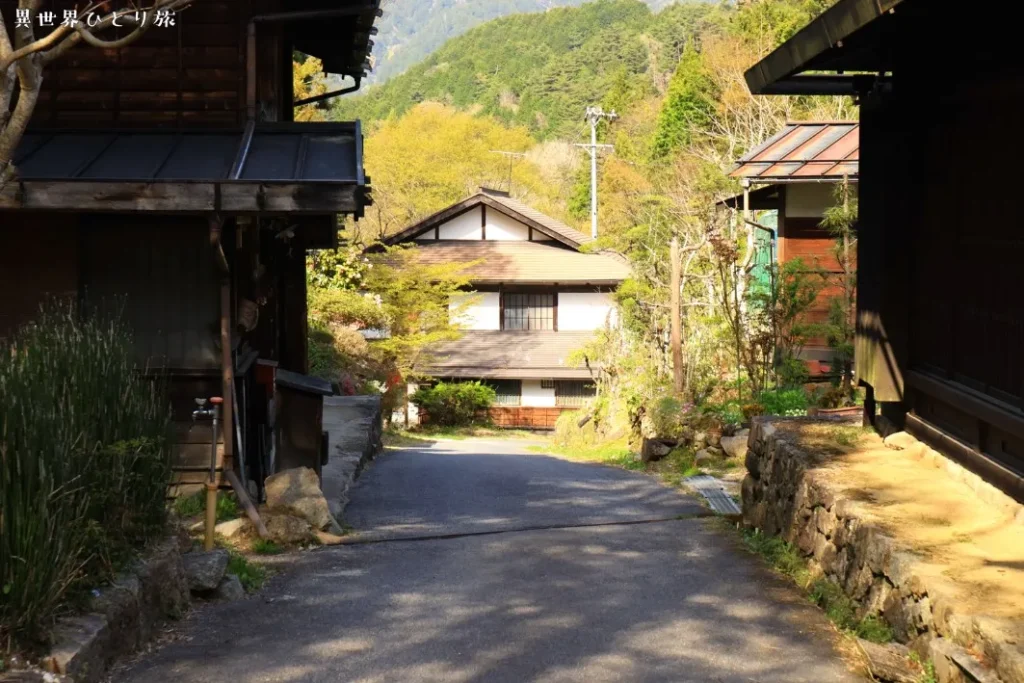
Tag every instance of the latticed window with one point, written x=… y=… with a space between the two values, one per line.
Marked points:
x=528 y=311
x=573 y=393
x=509 y=391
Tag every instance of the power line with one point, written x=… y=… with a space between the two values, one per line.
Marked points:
x=512 y=156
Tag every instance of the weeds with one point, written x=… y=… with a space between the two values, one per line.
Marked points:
x=84 y=465
x=263 y=546
x=251 y=574
x=190 y=506
x=829 y=596
x=227 y=508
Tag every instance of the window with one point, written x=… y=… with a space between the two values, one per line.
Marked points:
x=547 y=384
x=528 y=311
x=574 y=393
x=509 y=391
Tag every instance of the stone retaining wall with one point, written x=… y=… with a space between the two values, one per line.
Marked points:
x=784 y=493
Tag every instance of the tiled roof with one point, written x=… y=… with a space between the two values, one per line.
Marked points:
x=808 y=151
x=525 y=262
x=532 y=354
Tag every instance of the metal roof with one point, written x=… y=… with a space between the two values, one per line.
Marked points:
x=281 y=152
x=810 y=151
x=848 y=37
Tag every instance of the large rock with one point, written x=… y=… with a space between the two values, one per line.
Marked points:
x=654 y=450
x=205 y=569
x=234 y=527
x=230 y=589
x=735 y=446
x=297 y=492
x=288 y=529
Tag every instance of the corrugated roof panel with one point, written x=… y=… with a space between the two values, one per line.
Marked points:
x=131 y=156
x=63 y=156
x=330 y=157
x=201 y=157
x=814 y=169
x=272 y=157
x=752 y=169
x=787 y=168
x=814 y=147
x=787 y=143
x=847 y=168
x=813 y=142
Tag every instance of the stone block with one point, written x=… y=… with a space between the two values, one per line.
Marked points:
x=748 y=490
x=896 y=614
x=806 y=538
x=297 y=492
x=753 y=463
x=899 y=568
x=858 y=581
x=735 y=446
x=876 y=549
x=80 y=645
x=234 y=527
x=874 y=601
x=205 y=569
x=230 y=589
x=825 y=521
x=825 y=553
x=288 y=529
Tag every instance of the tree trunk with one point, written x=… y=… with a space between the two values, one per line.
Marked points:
x=678 y=372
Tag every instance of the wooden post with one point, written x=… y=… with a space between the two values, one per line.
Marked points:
x=677 y=322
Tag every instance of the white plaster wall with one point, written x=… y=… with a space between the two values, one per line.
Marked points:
x=536 y=397
x=463 y=227
x=501 y=227
x=584 y=311
x=809 y=200
x=398 y=416
x=482 y=313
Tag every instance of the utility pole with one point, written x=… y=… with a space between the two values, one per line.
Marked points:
x=594 y=116
x=512 y=156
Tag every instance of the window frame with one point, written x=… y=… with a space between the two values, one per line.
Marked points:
x=502 y=300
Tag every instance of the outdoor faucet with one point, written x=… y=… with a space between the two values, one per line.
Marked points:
x=202 y=411
x=211 y=413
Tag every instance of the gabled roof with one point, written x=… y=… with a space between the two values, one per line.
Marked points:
x=341 y=37
x=810 y=151
x=502 y=203
x=506 y=262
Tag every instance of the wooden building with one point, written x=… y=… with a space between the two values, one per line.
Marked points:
x=794 y=175
x=940 y=308
x=168 y=180
x=536 y=298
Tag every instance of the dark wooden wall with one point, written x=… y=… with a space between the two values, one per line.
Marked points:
x=942 y=246
x=39 y=260
x=193 y=74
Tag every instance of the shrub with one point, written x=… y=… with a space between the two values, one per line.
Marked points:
x=788 y=402
x=667 y=417
x=83 y=465
x=455 y=404
x=569 y=434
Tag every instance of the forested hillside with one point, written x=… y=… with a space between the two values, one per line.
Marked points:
x=412 y=29
x=542 y=70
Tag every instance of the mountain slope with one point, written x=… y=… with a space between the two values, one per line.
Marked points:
x=541 y=70
x=412 y=29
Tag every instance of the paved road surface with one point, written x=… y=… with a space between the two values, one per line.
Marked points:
x=487 y=563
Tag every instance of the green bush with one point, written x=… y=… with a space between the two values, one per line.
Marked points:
x=788 y=402
x=83 y=465
x=667 y=417
x=455 y=404
x=569 y=434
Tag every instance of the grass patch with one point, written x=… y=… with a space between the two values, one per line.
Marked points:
x=676 y=466
x=190 y=506
x=263 y=546
x=227 y=508
x=251 y=574
x=396 y=437
x=615 y=453
x=786 y=560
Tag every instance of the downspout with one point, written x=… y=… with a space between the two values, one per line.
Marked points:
x=283 y=17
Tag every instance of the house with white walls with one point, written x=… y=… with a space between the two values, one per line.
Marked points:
x=536 y=297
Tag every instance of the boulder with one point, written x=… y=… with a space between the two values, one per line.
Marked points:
x=288 y=529
x=735 y=446
x=205 y=570
x=705 y=456
x=297 y=492
x=654 y=450
x=900 y=441
x=230 y=589
x=234 y=527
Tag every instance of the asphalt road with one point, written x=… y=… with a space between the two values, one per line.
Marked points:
x=482 y=562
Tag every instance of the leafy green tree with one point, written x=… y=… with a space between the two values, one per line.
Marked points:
x=841 y=331
x=689 y=106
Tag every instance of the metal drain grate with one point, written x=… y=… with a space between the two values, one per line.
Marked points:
x=713 y=492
